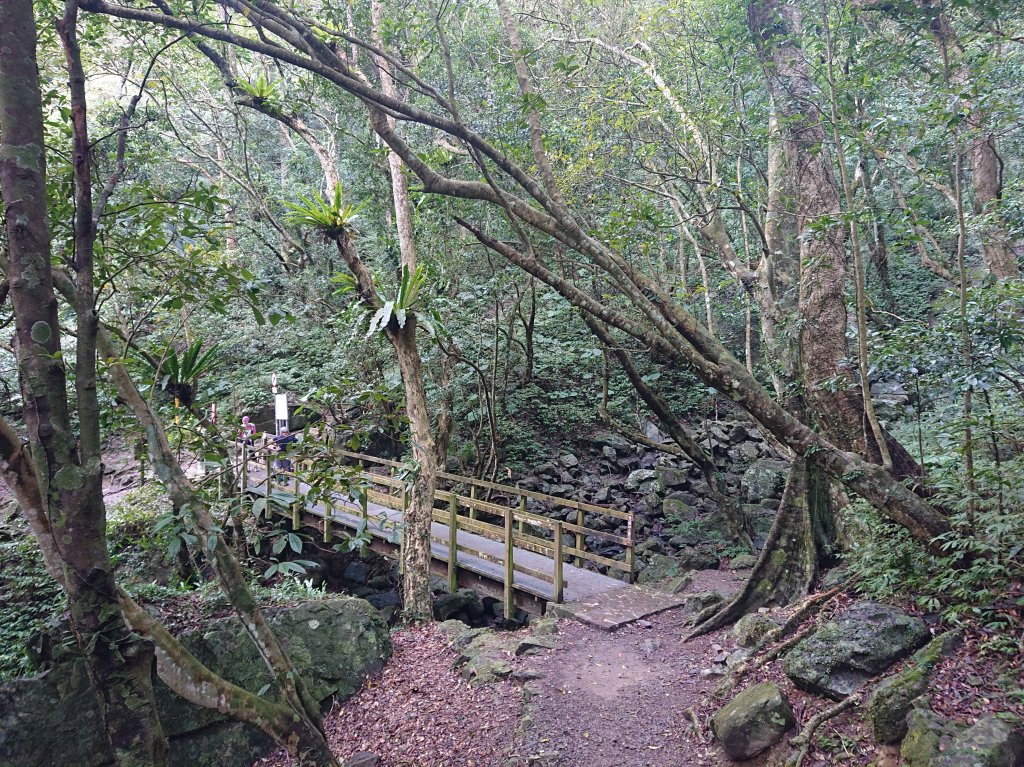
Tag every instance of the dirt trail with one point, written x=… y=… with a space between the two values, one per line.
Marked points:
x=622 y=699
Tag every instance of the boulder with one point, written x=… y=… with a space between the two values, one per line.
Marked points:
x=753 y=721
x=742 y=562
x=843 y=654
x=927 y=732
x=670 y=478
x=698 y=558
x=894 y=698
x=752 y=628
x=989 y=743
x=363 y=759
x=892 y=701
x=765 y=478
x=464 y=604
x=569 y=460
x=52 y=720
x=678 y=509
x=659 y=567
x=612 y=440
x=639 y=477
x=357 y=572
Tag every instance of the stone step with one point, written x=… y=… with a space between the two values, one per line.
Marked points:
x=617 y=608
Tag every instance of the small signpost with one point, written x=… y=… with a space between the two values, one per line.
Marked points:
x=280 y=406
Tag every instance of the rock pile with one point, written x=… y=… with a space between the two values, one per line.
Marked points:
x=675 y=514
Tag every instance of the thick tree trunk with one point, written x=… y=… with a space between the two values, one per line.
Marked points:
x=67 y=473
x=788 y=564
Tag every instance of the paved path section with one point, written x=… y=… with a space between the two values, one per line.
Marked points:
x=386 y=524
x=619 y=607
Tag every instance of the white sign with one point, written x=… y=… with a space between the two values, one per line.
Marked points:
x=273 y=382
x=281 y=407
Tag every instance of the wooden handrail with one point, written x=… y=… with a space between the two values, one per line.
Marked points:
x=511 y=533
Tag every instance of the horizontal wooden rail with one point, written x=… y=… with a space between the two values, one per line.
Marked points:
x=519 y=529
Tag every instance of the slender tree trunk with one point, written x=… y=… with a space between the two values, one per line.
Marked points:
x=690 y=447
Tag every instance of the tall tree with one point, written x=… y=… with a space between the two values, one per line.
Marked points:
x=59 y=484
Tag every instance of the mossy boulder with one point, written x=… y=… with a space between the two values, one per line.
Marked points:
x=991 y=742
x=893 y=699
x=52 y=719
x=765 y=478
x=843 y=654
x=927 y=732
x=752 y=628
x=659 y=567
x=753 y=721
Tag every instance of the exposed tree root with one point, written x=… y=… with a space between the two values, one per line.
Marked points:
x=788 y=563
x=814 y=602
x=806 y=736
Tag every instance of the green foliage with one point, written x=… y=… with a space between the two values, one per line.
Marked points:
x=976 y=580
x=29 y=597
x=331 y=216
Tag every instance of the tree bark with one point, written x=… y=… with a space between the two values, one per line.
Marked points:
x=65 y=480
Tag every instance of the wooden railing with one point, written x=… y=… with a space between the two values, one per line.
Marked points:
x=511 y=526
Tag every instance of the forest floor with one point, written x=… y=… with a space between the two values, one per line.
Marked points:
x=635 y=697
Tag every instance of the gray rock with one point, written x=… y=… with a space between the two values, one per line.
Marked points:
x=670 y=478
x=747 y=451
x=612 y=440
x=842 y=655
x=753 y=721
x=702 y=600
x=989 y=743
x=637 y=477
x=698 y=558
x=659 y=568
x=926 y=733
x=569 y=460
x=363 y=759
x=765 y=478
x=892 y=701
x=751 y=629
x=535 y=644
x=894 y=698
x=357 y=572
x=742 y=562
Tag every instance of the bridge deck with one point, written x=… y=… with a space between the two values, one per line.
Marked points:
x=384 y=523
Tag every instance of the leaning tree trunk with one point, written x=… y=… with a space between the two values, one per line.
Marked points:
x=689 y=446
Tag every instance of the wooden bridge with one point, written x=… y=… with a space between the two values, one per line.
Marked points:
x=482 y=535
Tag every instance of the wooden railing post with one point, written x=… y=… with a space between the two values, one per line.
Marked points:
x=364 y=504
x=559 y=576
x=510 y=607
x=244 y=479
x=629 y=547
x=579 y=535
x=328 y=516
x=522 y=508
x=453 y=543
x=270 y=482
x=472 y=497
